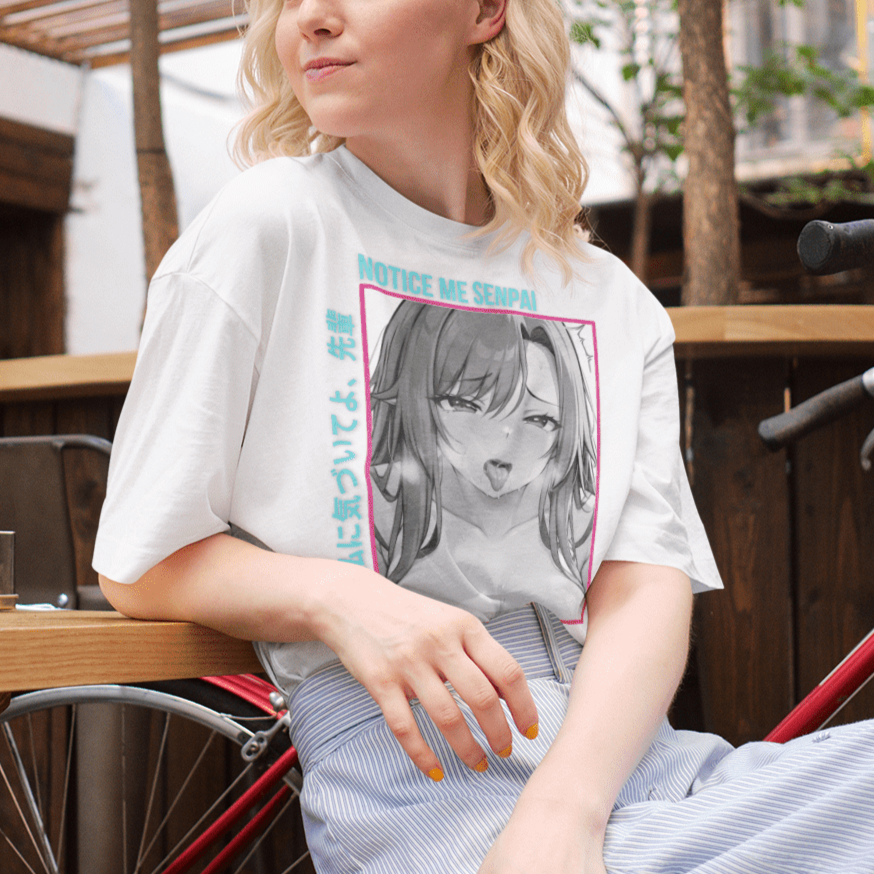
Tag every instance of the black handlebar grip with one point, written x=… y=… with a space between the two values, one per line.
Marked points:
x=818 y=410
x=826 y=248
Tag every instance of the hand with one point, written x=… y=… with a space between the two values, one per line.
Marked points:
x=401 y=645
x=545 y=836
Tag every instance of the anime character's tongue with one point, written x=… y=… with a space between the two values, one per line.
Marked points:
x=497 y=472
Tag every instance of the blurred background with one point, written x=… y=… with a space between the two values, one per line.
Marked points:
x=798 y=75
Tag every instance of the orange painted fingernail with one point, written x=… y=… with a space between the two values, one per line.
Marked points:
x=505 y=753
x=482 y=766
x=436 y=774
x=532 y=732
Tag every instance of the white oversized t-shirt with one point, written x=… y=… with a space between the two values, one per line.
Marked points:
x=341 y=373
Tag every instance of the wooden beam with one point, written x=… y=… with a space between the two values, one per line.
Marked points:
x=173 y=44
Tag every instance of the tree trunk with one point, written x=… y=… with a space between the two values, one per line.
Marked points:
x=711 y=225
x=160 y=223
x=641 y=232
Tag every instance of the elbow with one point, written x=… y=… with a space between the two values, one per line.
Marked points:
x=127 y=598
x=113 y=593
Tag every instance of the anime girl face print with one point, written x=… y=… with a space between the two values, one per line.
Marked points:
x=483 y=451
x=497 y=448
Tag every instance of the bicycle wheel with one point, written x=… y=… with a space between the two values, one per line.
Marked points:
x=109 y=779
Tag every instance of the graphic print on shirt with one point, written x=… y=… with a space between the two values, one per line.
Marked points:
x=482 y=452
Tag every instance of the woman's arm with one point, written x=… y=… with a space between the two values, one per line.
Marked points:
x=629 y=670
x=398 y=644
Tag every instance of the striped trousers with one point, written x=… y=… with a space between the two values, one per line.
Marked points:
x=694 y=803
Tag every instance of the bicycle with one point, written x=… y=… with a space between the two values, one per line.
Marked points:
x=247 y=713
x=257 y=794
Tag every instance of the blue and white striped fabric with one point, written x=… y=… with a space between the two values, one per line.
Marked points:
x=694 y=804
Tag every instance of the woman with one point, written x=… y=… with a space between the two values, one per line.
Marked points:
x=435 y=144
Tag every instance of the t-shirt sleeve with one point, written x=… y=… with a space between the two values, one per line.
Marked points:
x=659 y=523
x=177 y=445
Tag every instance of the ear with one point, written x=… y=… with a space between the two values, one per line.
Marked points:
x=490 y=21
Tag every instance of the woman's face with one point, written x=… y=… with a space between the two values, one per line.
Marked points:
x=503 y=451
x=377 y=67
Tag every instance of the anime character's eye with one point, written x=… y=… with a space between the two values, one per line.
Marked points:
x=544 y=421
x=457 y=404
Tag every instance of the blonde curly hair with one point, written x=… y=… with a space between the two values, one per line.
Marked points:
x=529 y=159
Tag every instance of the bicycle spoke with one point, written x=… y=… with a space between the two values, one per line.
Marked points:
x=123 y=789
x=294 y=864
x=176 y=801
x=35 y=768
x=17 y=853
x=65 y=796
x=150 y=805
x=40 y=843
x=205 y=815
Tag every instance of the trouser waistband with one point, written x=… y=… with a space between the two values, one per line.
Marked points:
x=331 y=701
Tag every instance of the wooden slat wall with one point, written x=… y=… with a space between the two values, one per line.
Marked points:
x=793 y=534
x=742 y=495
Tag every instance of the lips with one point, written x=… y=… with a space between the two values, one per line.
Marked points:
x=319 y=68
x=497 y=472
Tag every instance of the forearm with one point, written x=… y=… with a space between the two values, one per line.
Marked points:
x=237 y=588
x=631 y=665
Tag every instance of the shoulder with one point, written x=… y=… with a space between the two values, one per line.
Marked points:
x=268 y=208
x=275 y=187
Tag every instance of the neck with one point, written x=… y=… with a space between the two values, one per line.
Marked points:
x=434 y=169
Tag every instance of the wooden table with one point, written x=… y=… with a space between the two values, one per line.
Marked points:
x=64 y=647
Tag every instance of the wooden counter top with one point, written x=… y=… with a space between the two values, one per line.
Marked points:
x=705 y=332
x=44 y=649
x=773 y=330
x=62 y=376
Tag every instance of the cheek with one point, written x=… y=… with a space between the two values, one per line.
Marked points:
x=286 y=42
x=461 y=431
x=537 y=445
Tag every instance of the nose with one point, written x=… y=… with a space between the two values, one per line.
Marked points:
x=317 y=19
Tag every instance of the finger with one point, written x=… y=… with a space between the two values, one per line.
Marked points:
x=477 y=691
x=508 y=678
x=449 y=720
x=399 y=718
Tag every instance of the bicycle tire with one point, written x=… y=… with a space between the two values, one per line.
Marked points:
x=168 y=754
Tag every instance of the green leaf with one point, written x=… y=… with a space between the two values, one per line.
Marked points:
x=630 y=71
x=864 y=96
x=583 y=32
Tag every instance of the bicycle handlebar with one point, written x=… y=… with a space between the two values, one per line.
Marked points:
x=818 y=410
x=824 y=247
